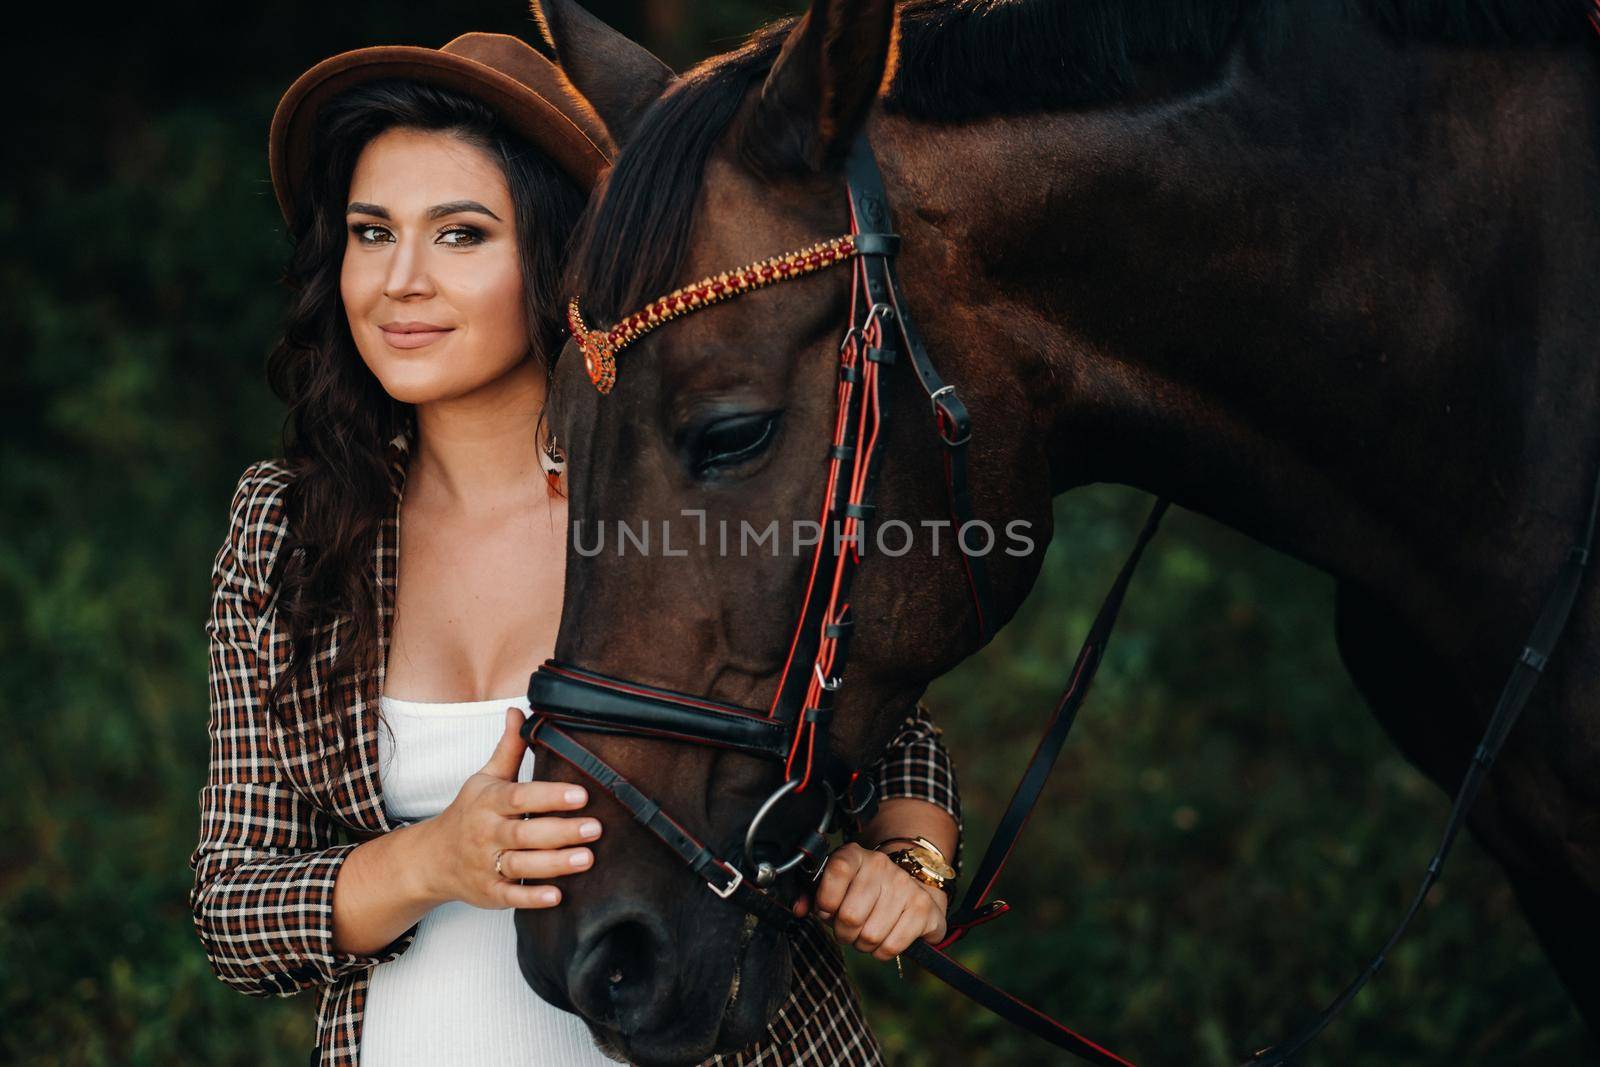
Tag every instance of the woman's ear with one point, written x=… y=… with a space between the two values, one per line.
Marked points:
x=817 y=95
x=620 y=77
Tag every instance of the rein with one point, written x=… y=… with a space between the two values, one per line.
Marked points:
x=793 y=730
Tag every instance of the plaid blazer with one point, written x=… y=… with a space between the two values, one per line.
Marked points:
x=274 y=831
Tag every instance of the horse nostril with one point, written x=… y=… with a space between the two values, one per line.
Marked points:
x=619 y=976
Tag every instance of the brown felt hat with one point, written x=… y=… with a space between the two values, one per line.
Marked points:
x=529 y=93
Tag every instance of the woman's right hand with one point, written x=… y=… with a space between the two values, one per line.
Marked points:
x=486 y=820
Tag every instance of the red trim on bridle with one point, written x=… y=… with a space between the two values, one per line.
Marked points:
x=856 y=372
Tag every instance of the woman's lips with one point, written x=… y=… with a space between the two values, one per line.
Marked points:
x=413 y=334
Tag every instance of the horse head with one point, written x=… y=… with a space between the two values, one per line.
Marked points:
x=700 y=482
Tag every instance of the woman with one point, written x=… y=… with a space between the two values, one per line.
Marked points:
x=430 y=193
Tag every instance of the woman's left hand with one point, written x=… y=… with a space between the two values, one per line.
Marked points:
x=874 y=904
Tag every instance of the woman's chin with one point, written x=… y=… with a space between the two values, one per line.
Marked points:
x=420 y=385
x=431 y=381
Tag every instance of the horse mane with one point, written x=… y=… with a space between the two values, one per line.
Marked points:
x=961 y=60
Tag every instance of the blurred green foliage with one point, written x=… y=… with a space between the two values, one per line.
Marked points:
x=1227 y=836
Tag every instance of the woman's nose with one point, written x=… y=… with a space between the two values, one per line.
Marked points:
x=408 y=271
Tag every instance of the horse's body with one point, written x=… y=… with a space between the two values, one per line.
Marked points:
x=1332 y=290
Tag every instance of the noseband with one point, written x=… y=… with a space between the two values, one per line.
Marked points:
x=794 y=729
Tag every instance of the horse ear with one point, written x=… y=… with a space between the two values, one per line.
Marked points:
x=619 y=77
x=822 y=84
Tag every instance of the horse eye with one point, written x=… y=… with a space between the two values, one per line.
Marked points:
x=730 y=442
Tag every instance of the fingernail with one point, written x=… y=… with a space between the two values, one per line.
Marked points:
x=589 y=829
x=550 y=896
x=580 y=859
x=574 y=796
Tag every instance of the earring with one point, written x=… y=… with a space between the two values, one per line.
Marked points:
x=553 y=460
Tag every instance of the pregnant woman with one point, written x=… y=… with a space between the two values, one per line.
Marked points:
x=368 y=815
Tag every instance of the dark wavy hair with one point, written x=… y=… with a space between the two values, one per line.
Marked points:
x=340 y=419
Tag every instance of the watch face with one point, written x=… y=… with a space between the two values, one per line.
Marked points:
x=932 y=861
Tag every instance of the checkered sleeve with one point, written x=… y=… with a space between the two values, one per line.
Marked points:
x=915 y=764
x=267 y=858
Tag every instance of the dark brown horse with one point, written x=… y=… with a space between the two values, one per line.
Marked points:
x=1319 y=271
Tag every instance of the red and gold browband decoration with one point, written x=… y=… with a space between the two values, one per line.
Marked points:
x=600 y=347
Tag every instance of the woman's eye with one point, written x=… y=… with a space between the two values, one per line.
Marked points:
x=730 y=442
x=367 y=233
x=460 y=235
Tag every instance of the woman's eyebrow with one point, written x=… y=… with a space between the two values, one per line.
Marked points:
x=438 y=211
x=456 y=207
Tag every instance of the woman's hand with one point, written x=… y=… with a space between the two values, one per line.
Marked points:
x=486 y=822
x=874 y=904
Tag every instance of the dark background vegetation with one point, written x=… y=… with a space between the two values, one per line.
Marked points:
x=1228 y=836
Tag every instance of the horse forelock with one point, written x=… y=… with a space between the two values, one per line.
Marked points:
x=631 y=241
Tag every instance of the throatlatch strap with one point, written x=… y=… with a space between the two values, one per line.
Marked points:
x=869 y=206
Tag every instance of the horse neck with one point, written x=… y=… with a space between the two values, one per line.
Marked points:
x=1334 y=299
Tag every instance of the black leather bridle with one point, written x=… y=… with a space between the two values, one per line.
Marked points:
x=794 y=731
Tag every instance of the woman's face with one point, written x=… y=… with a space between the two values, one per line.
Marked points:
x=431 y=279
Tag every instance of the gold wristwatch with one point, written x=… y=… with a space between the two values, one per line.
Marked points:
x=923 y=860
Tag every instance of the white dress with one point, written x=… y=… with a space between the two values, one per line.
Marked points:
x=455 y=996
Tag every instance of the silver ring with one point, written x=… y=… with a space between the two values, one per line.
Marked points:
x=771 y=872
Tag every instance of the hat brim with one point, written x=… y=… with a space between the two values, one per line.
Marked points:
x=526 y=111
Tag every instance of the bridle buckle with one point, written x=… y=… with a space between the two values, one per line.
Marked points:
x=728 y=891
x=938 y=416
